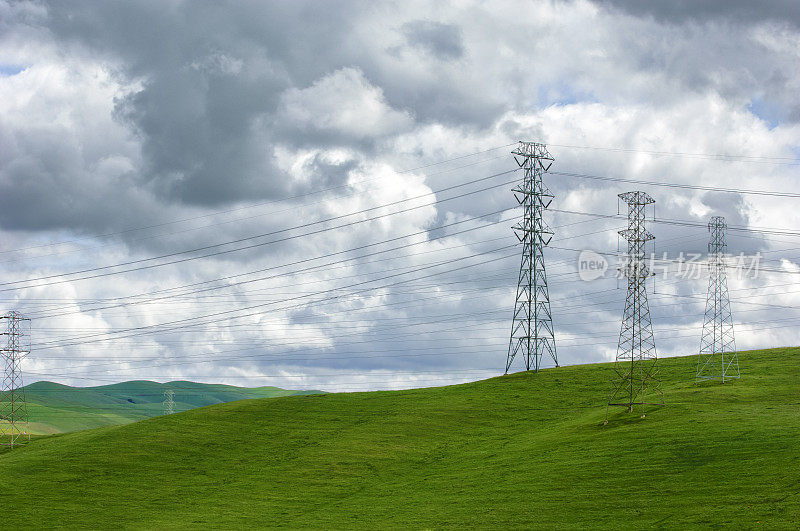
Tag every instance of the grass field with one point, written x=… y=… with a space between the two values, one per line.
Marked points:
x=524 y=450
x=57 y=408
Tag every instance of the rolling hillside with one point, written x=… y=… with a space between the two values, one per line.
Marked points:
x=524 y=450
x=57 y=408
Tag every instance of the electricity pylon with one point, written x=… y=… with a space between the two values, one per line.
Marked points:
x=532 y=325
x=13 y=410
x=717 y=358
x=169 y=402
x=636 y=379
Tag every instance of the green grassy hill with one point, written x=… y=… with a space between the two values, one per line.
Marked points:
x=524 y=450
x=57 y=408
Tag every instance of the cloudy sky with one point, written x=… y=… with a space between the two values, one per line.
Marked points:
x=317 y=194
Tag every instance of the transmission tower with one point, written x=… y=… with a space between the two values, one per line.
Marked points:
x=13 y=411
x=169 y=402
x=717 y=340
x=532 y=326
x=636 y=379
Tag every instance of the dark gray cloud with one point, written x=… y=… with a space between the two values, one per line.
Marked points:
x=712 y=45
x=212 y=75
x=211 y=80
x=680 y=11
x=45 y=185
x=441 y=40
x=730 y=206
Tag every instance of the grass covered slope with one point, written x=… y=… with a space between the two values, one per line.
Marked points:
x=57 y=408
x=525 y=450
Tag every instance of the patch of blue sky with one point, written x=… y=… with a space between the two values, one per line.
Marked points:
x=767 y=111
x=562 y=93
x=8 y=70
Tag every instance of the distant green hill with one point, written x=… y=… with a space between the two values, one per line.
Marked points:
x=57 y=408
x=519 y=451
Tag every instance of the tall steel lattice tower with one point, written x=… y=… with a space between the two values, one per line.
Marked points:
x=13 y=410
x=717 y=357
x=169 y=402
x=532 y=327
x=636 y=379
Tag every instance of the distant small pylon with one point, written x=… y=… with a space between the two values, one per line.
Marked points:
x=13 y=409
x=169 y=402
x=717 y=358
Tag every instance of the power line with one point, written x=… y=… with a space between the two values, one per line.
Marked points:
x=285 y=358
x=227 y=312
x=240 y=240
x=220 y=223
x=454 y=353
x=245 y=207
x=791 y=161
x=274 y=302
x=306 y=260
x=773 y=193
x=327 y=266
